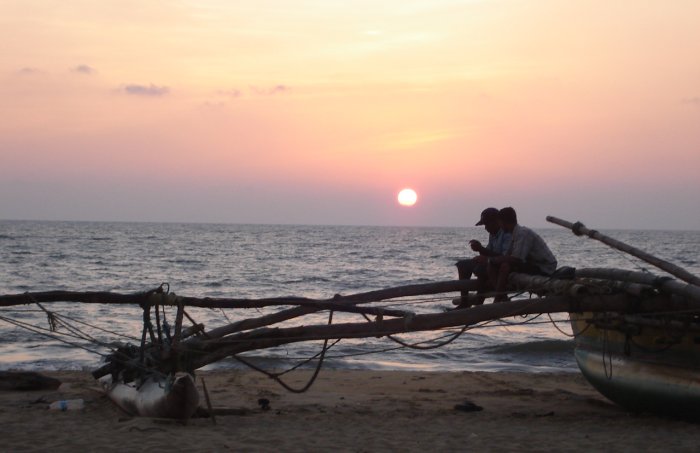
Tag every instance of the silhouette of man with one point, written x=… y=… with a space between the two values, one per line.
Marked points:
x=499 y=242
x=528 y=254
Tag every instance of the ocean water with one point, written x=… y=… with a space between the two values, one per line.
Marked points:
x=255 y=261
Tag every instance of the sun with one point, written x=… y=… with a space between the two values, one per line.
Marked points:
x=407 y=197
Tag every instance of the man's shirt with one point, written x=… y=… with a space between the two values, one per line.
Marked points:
x=499 y=243
x=531 y=248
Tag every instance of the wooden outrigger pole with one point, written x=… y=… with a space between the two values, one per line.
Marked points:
x=212 y=351
x=159 y=296
x=579 y=229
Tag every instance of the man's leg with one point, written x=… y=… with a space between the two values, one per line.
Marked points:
x=465 y=269
x=501 y=276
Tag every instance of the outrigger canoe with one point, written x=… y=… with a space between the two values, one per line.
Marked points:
x=637 y=334
x=643 y=363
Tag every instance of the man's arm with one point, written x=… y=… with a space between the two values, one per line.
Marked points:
x=480 y=249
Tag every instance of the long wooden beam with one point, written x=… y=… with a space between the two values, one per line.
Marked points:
x=156 y=296
x=371 y=296
x=664 y=284
x=87 y=297
x=212 y=351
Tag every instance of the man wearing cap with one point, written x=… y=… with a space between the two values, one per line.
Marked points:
x=499 y=243
x=527 y=253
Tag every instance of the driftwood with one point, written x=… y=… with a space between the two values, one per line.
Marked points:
x=578 y=228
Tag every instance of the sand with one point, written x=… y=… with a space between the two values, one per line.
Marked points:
x=351 y=411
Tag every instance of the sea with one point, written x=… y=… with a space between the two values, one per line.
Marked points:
x=261 y=261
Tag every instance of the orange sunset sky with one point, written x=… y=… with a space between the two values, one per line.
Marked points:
x=320 y=111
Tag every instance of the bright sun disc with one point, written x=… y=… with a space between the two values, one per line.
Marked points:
x=407 y=197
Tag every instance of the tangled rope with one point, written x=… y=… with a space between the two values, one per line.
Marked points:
x=276 y=376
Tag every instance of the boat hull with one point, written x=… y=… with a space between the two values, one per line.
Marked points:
x=640 y=367
x=174 y=397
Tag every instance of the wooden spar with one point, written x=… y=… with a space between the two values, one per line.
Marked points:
x=579 y=229
x=665 y=284
x=636 y=283
x=212 y=351
x=371 y=296
x=89 y=297
x=351 y=299
x=151 y=297
x=539 y=283
x=143 y=298
x=178 y=324
x=547 y=285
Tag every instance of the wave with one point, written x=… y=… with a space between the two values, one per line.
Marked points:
x=312 y=279
x=184 y=261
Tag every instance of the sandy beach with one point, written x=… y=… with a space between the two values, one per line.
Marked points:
x=350 y=411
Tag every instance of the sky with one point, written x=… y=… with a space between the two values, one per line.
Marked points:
x=320 y=111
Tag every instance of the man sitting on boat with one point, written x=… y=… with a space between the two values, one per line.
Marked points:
x=528 y=254
x=499 y=243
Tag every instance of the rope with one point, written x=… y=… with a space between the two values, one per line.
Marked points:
x=92 y=326
x=561 y=331
x=576 y=228
x=415 y=345
x=74 y=332
x=304 y=362
x=42 y=331
x=482 y=325
x=275 y=376
x=435 y=346
x=606 y=351
x=51 y=318
x=225 y=316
